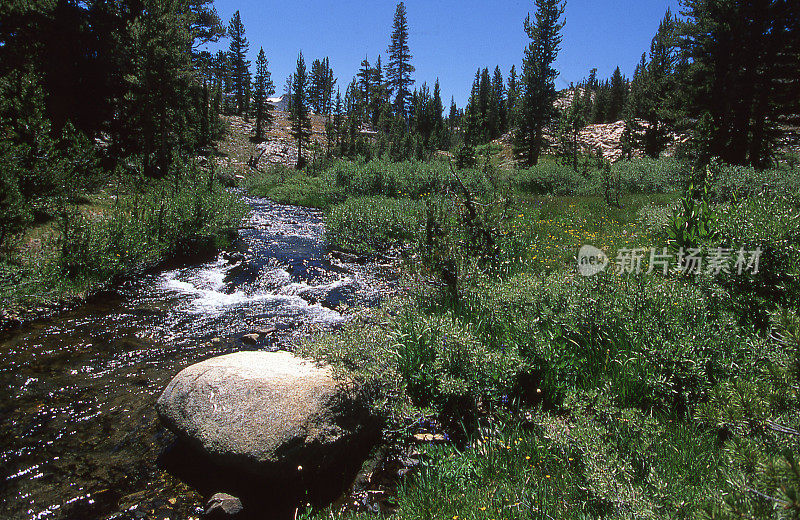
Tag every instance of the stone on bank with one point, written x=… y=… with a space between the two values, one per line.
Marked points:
x=271 y=414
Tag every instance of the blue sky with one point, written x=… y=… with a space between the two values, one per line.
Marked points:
x=449 y=39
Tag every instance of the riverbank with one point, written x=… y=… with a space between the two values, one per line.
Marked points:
x=89 y=244
x=79 y=433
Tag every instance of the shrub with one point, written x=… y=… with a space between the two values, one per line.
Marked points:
x=91 y=248
x=443 y=361
x=731 y=183
x=13 y=213
x=288 y=186
x=645 y=175
x=773 y=226
x=693 y=222
x=660 y=343
x=549 y=178
x=372 y=224
x=465 y=157
x=409 y=179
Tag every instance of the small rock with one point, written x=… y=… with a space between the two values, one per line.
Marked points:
x=222 y=506
x=250 y=339
x=232 y=257
x=429 y=437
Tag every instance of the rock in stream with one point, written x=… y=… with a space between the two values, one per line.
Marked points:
x=270 y=414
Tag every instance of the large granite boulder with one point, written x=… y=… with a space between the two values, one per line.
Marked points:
x=271 y=414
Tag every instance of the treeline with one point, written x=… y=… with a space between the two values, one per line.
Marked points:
x=378 y=114
x=726 y=73
x=92 y=86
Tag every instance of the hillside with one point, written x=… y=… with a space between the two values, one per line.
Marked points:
x=237 y=146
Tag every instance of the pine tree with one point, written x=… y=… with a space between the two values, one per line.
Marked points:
x=633 y=104
x=400 y=69
x=352 y=119
x=473 y=123
x=437 y=109
x=591 y=81
x=499 y=103
x=365 y=82
x=321 y=82
x=571 y=122
x=586 y=102
x=338 y=121
x=513 y=92
x=288 y=90
x=263 y=88
x=157 y=114
x=381 y=95
x=327 y=87
x=240 y=67
x=204 y=74
x=655 y=82
x=618 y=96
x=602 y=98
x=487 y=115
x=743 y=69
x=316 y=86
x=299 y=117
x=538 y=78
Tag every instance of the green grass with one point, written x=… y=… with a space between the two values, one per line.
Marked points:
x=617 y=396
x=113 y=234
x=373 y=224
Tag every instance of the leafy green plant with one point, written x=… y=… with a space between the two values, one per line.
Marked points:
x=693 y=223
x=550 y=178
x=645 y=175
x=373 y=224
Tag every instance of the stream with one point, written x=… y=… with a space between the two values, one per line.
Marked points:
x=79 y=436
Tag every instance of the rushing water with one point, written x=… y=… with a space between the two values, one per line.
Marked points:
x=79 y=437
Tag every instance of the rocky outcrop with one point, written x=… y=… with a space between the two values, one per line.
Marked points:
x=279 y=102
x=239 y=149
x=269 y=414
x=605 y=137
x=277 y=152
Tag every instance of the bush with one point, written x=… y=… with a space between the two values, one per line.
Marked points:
x=288 y=186
x=409 y=179
x=372 y=224
x=635 y=176
x=14 y=215
x=441 y=360
x=773 y=226
x=664 y=175
x=91 y=248
x=731 y=183
x=550 y=178
x=659 y=343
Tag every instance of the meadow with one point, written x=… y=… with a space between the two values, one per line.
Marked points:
x=622 y=395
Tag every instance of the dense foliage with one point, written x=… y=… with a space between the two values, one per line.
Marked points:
x=619 y=395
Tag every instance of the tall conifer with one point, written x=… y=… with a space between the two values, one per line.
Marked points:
x=538 y=78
